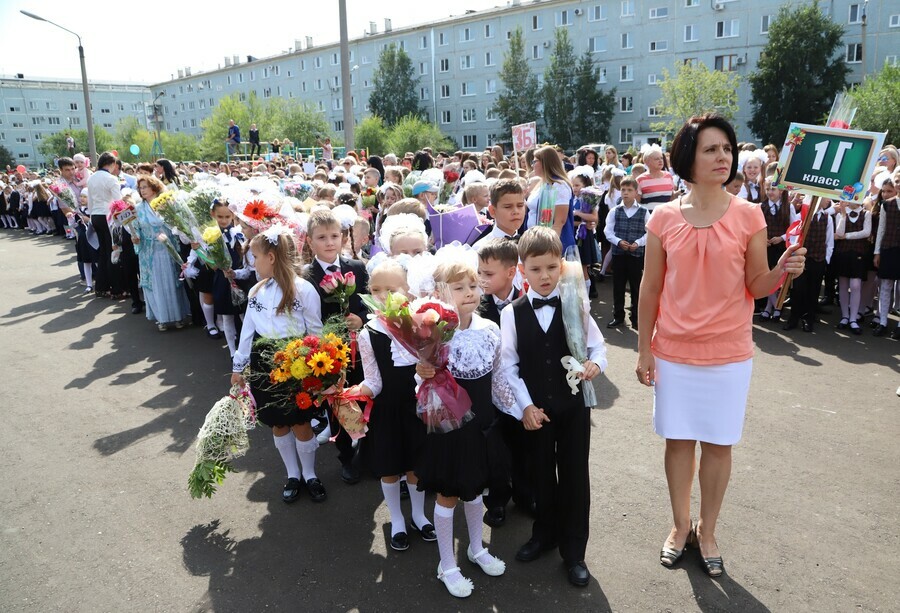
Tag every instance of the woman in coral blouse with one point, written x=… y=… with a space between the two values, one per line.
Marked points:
x=705 y=264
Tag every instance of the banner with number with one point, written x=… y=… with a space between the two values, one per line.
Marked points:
x=828 y=162
x=524 y=136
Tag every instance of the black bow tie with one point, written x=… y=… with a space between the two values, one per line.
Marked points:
x=537 y=303
x=332 y=268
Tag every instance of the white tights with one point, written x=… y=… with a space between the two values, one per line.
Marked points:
x=849 y=304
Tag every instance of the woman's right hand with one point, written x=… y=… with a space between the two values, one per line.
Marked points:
x=646 y=369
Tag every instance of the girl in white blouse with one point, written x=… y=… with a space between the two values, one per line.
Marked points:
x=281 y=305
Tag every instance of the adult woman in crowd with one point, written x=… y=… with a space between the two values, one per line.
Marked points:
x=612 y=157
x=655 y=186
x=889 y=158
x=376 y=162
x=706 y=257
x=166 y=301
x=553 y=185
x=165 y=172
x=103 y=189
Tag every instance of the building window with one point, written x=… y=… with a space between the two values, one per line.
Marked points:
x=490 y=86
x=267 y=92
x=468 y=115
x=15 y=109
x=691 y=3
x=423 y=93
x=265 y=73
x=465 y=35
x=105 y=111
x=603 y=74
x=466 y=89
x=659 y=45
x=445 y=91
x=597 y=13
x=402 y=45
x=689 y=61
x=627 y=8
x=690 y=34
x=488 y=31
x=337 y=104
x=626 y=40
x=242 y=96
x=228 y=79
x=563 y=18
x=253 y=75
x=445 y=65
x=335 y=82
x=728 y=29
x=535 y=22
x=442 y=39
x=470 y=141
x=856 y=14
x=652 y=112
x=423 y=68
x=894 y=21
x=18 y=124
x=445 y=116
x=626 y=73
x=764 y=23
x=303 y=86
x=597 y=44
x=339 y=125
x=465 y=62
x=193 y=123
x=73 y=106
x=319 y=85
x=36 y=121
x=536 y=52
x=202 y=104
x=625 y=135
x=75 y=121
x=321 y=106
x=626 y=104
x=303 y=64
x=21 y=139
x=659 y=12
x=854 y=53
x=652 y=79
x=490 y=115
x=489 y=58
x=889 y=60
x=335 y=58
x=725 y=63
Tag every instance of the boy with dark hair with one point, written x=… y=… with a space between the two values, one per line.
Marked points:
x=626 y=230
x=533 y=343
x=507 y=209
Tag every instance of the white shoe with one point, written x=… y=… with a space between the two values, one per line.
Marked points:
x=461 y=588
x=324 y=435
x=88 y=289
x=162 y=327
x=494 y=568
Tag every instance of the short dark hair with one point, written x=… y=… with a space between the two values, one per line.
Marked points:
x=501 y=249
x=64 y=163
x=106 y=158
x=539 y=240
x=503 y=187
x=684 y=147
x=629 y=182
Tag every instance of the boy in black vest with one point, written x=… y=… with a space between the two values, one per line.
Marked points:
x=626 y=230
x=533 y=343
x=498 y=259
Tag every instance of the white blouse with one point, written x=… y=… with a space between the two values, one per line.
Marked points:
x=303 y=317
x=371 y=371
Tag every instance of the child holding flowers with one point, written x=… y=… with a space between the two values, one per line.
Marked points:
x=281 y=306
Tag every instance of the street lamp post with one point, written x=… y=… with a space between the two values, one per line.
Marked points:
x=346 y=94
x=92 y=145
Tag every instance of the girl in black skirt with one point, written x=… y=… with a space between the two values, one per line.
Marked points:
x=393 y=443
x=851 y=246
x=281 y=305
x=455 y=464
x=586 y=217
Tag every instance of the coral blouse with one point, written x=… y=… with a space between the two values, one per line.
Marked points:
x=705 y=310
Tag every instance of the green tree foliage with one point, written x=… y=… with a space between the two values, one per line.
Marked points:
x=54 y=145
x=558 y=93
x=394 y=86
x=518 y=101
x=694 y=89
x=411 y=133
x=6 y=158
x=176 y=146
x=878 y=104
x=372 y=135
x=799 y=71
x=129 y=131
x=594 y=109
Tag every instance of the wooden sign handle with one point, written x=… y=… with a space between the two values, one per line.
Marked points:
x=804 y=230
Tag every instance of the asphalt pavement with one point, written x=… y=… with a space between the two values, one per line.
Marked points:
x=101 y=410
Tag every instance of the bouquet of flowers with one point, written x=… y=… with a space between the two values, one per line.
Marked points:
x=222 y=438
x=590 y=200
x=201 y=198
x=449 y=184
x=545 y=206
x=338 y=288
x=65 y=194
x=214 y=252
x=297 y=189
x=573 y=297
x=177 y=215
x=424 y=328
x=369 y=197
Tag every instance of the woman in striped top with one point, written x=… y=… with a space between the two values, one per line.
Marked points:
x=656 y=185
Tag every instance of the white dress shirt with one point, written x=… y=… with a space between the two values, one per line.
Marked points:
x=303 y=317
x=103 y=188
x=850 y=236
x=630 y=211
x=509 y=348
x=325 y=265
x=494 y=233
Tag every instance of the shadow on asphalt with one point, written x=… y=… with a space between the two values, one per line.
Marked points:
x=722 y=594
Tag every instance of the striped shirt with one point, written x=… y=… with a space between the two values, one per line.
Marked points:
x=655 y=191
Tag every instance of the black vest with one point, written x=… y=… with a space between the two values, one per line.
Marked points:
x=540 y=355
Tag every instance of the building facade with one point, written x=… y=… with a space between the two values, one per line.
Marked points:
x=458 y=60
x=34 y=109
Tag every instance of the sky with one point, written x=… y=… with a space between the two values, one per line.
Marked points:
x=148 y=42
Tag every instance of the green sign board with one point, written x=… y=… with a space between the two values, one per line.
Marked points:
x=828 y=162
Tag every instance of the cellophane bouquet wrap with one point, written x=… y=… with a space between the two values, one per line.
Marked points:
x=297 y=189
x=546 y=205
x=214 y=252
x=424 y=328
x=573 y=298
x=177 y=215
x=590 y=200
x=65 y=194
x=222 y=437
x=200 y=198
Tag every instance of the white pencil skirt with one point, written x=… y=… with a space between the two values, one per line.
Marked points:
x=701 y=403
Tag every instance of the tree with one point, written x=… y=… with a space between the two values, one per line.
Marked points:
x=54 y=146
x=394 y=86
x=411 y=133
x=177 y=146
x=557 y=92
x=694 y=89
x=129 y=131
x=798 y=72
x=878 y=104
x=372 y=135
x=594 y=109
x=6 y=158
x=215 y=127
x=298 y=121
x=518 y=101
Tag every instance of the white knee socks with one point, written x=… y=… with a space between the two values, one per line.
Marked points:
x=417 y=504
x=443 y=527
x=884 y=300
x=307 y=452
x=849 y=303
x=229 y=330
x=209 y=313
x=285 y=446
x=474 y=512
x=89 y=274
x=391 y=493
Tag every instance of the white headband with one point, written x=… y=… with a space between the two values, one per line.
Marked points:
x=273 y=234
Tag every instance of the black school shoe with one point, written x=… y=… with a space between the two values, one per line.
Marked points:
x=579 y=575
x=291 y=490
x=404 y=491
x=495 y=517
x=400 y=541
x=349 y=473
x=316 y=490
x=426 y=532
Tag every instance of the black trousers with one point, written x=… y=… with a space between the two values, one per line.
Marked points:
x=627 y=269
x=131 y=270
x=254 y=147
x=106 y=279
x=562 y=484
x=830 y=283
x=805 y=291
x=509 y=462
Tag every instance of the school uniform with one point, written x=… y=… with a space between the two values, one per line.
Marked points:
x=819 y=245
x=778 y=217
x=315 y=272
x=492 y=232
x=851 y=251
x=220 y=286
x=751 y=192
x=393 y=443
x=533 y=344
x=887 y=241
x=627 y=224
x=491 y=305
